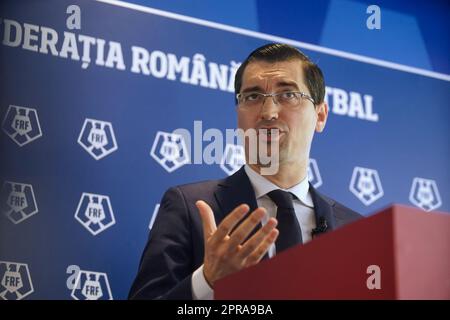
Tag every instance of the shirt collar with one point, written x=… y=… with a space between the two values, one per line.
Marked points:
x=262 y=186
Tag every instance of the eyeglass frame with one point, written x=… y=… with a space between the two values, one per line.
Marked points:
x=275 y=94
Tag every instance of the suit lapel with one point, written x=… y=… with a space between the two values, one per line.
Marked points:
x=233 y=191
x=323 y=209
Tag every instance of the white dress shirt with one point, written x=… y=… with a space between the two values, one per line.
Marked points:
x=304 y=211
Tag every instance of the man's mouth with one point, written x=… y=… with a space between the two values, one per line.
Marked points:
x=270 y=134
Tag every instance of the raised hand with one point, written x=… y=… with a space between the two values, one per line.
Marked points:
x=225 y=249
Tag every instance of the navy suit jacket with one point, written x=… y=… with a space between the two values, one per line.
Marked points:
x=175 y=247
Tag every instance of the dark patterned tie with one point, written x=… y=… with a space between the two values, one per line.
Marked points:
x=290 y=232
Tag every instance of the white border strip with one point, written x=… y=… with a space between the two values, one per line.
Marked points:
x=259 y=35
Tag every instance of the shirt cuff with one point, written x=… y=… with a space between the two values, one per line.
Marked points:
x=200 y=288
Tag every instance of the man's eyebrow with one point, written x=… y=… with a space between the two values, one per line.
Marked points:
x=287 y=84
x=280 y=84
x=251 y=89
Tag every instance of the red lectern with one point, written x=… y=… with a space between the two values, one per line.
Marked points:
x=398 y=253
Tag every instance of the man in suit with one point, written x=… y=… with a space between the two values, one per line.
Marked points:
x=207 y=230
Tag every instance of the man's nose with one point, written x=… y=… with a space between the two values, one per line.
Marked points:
x=269 y=109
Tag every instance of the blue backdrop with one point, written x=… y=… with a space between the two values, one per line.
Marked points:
x=88 y=103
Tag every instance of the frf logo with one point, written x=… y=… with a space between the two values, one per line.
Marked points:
x=314 y=174
x=17 y=201
x=425 y=194
x=21 y=125
x=91 y=285
x=95 y=213
x=169 y=150
x=97 y=138
x=233 y=158
x=15 y=281
x=366 y=185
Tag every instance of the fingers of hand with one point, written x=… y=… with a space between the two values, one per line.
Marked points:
x=255 y=241
x=207 y=216
x=229 y=223
x=243 y=230
x=261 y=250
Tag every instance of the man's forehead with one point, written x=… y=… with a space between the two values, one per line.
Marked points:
x=278 y=73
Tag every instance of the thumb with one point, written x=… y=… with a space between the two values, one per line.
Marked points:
x=207 y=216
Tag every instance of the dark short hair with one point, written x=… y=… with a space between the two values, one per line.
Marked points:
x=276 y=52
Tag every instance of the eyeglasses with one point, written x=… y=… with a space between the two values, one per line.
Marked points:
x=287 y=98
